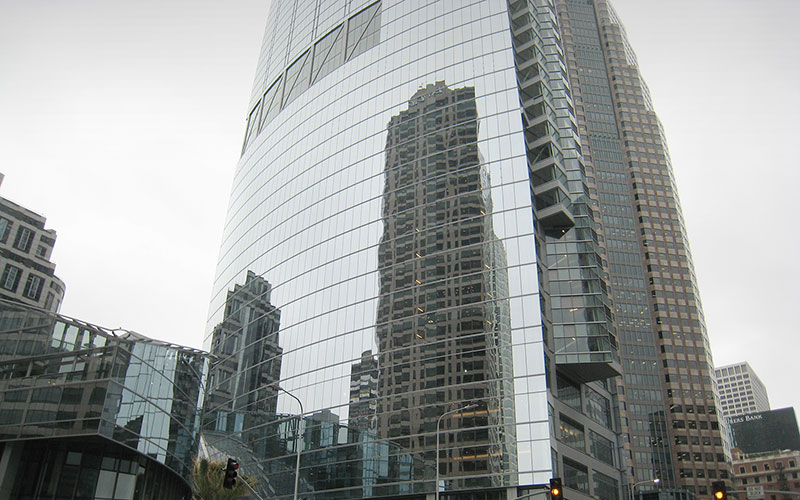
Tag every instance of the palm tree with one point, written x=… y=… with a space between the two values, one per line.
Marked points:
x=207 y=477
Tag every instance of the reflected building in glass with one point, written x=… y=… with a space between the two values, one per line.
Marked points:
x=92 y=413
x=244 y=381
x=442 y=326
x=415 y=185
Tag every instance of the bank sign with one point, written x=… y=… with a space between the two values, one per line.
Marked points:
x=766 y=431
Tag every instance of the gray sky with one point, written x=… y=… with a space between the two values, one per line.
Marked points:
x=122 y=122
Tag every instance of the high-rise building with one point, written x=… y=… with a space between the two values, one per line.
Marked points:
x=673 y=426
x=28 y=275
x=740 y=390
x=467 y=215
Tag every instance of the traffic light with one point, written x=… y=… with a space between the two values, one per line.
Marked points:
x=556 y=491
x=719 y=490
x=229 y=481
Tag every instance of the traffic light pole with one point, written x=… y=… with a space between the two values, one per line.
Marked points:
x=777 y=492
x=249 y=487
x=252 y=490
x=544 y=487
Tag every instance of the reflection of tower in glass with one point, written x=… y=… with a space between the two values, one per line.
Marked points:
x=364 y=392
x=244 y=382
x=443 y=322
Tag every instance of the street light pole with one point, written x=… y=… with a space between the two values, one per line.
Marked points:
x=438 y=423
x=296 y=441
x=633 y=486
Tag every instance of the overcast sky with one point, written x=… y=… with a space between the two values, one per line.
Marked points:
x=122 y=122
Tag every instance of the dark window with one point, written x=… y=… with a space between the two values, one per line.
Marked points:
x=601 y=448
x=5 y=228
x=24 y=239
x=605 y=488
x=576 y=475
x=46 y=395
x=569 y=393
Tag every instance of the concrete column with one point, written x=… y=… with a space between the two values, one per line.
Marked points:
x=9 y=463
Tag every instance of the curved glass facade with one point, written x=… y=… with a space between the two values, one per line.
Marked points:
x=404 y=163
x=90 y=408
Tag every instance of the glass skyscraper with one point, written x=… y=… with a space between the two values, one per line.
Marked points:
x=421 y=247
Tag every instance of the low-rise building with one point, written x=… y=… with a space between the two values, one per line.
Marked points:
x=773 y=470
x=87 y=412
x=26 y=273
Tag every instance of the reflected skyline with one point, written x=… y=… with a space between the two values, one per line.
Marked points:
x=443 y=323
x=243 y=383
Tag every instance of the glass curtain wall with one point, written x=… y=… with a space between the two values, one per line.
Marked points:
x=385 y=197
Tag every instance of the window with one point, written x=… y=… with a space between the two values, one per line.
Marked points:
x=33 y=287
x=572 y=433
x=252 y=125
x=328 y=53
x=363 y=30
x=598 y=408
x=601 y=448
x=5 y=228
x=10 y=278
x=41 y=251
x=298 y=77
x=271 y=102
x=46 y=395
x=24 y=239
x=605 y=488
x=576 y=475
x=569 y=393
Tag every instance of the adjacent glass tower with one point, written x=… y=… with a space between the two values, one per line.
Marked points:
x=424 y=251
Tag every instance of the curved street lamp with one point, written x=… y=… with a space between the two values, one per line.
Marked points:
x=655 y=482
x=438 y=423
x=296 y=440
